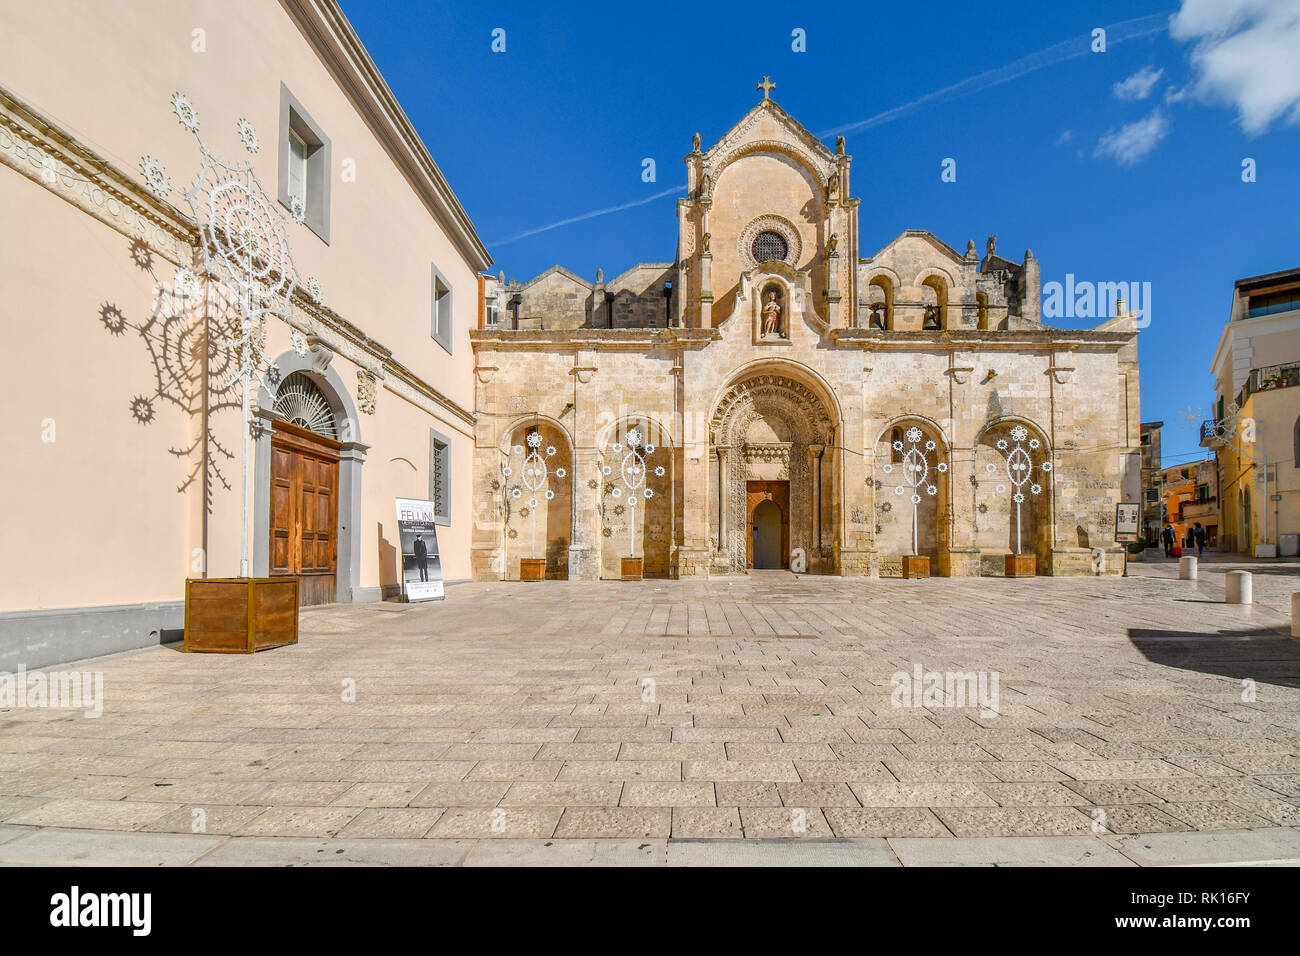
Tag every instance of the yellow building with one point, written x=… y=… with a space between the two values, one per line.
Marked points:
x=1255 y=431
x=1189 y=495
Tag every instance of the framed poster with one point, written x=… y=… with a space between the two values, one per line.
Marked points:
x=1128 y=514
x=421 y=568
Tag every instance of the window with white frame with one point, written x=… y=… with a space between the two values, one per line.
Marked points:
x=304 y=165
x=440 y=307
x=440 y=476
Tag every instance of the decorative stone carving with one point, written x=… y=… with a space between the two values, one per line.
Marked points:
x=367 y=391
x=321 y=356
x=770 y=223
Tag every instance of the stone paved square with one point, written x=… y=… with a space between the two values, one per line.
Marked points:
x=559 y=712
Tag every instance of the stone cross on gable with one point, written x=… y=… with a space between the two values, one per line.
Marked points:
x=767 y=86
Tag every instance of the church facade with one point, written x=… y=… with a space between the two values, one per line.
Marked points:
x=775 y=397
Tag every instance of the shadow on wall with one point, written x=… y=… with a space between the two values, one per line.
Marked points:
x=390 y=585
x=181 y=334
x=1084 y=540
x=1261 y=654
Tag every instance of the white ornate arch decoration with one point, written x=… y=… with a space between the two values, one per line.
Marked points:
x=505 y=443
x=924 y=422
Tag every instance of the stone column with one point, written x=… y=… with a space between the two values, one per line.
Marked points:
x=815 y=509
x=584 y=544
x=963 y=557
x=706 y=277
x=722 y=451
x=833 y=290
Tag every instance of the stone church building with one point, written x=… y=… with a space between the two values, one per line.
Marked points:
x=776 y=397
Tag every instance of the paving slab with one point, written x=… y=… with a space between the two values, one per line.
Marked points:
x=568 y=853
x=1006 y=851
x=286 y=851
x=1280 y=844
x=780 y=852
x=52 y=846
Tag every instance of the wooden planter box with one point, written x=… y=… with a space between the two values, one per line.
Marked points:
x=240 y=615
x=532 y=569
x=916 y=566
x=1021 y=565
x=632 y=569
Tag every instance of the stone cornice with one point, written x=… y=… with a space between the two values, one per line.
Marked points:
x=53 y=157
x=326 y=28
x=532 y=340
x=1044 y=340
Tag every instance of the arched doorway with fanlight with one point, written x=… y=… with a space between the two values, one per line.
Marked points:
x=308 y=481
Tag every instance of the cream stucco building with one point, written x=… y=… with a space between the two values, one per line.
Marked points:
x=126 y=468
x=773 y=365
x=1255 y=431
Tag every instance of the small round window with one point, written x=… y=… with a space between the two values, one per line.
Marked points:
x=769 y=246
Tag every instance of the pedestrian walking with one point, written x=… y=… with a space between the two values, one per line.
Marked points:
x=1199 y=533
x=1168 y=537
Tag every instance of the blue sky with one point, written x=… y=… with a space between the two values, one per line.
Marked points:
x=1117 y=166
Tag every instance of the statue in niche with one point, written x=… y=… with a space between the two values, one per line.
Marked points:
x=704 y=243
x=695 y=143
x=772 y=316
x=706 y=186
x=833 y=186
x=831 y=244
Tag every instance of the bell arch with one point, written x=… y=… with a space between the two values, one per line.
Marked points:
x=773 y=432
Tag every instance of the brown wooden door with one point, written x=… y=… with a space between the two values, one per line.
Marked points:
x=304 y=510
x=756 y=492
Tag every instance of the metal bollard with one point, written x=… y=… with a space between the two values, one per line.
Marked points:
x=1238 y=587
x=1187 y=568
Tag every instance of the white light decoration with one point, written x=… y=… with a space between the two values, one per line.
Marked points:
x=916 y=471
x=535 y=474
x=244 y=246
x=633 y=474
x=1020 y=469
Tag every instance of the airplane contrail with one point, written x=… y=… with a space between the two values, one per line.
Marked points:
x=589 y=215
x=1052 y=55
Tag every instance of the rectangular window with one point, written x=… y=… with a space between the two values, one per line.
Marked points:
x=304 y=165
x=440 y=476
x=490 y=318
x=440 y=307
x=297 y=168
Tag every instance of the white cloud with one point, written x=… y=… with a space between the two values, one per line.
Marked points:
x=1139 y=85
x=1133 y=142
x=1065 y=137
x=1247 y=55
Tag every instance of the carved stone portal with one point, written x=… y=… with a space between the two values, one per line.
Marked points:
x=763 y=429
